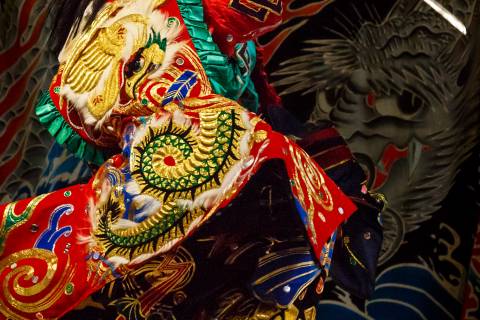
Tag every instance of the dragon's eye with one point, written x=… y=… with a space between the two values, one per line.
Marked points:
x=409 y=103
x=405 y=106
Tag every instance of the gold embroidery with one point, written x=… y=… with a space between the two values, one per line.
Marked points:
x=290 y=314
x=310 y=313
x=265 y=312
x=316 y=189
x=18 y=271
x=112 y=55
x=260 y=136
x=151 y=55
x=98 y=54
x=174 y=164
x=98 y=272
x=217 y=103
x=162 y=84
x=11 y=220
x=314 y=180
x=346 y=242
x=380 y=197
x=192 y=56
x=202 y=148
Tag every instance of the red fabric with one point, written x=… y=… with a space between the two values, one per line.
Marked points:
x=51 y=236
x=327 y=147
x=40 y=243
x=55 y=270
x=332 y=157
x=240 y=20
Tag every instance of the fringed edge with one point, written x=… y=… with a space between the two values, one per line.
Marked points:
x=53 y=121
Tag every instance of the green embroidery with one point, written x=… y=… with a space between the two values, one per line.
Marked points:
x=204 y=170
x=172 y=162
x=156 y=38
x=12 y=221
x=173 y=220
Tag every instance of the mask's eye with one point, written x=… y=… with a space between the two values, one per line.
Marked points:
x=135 y=65
x=138 y=64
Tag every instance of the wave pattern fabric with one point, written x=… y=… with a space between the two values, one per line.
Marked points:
x=139 y=87
x=427 y=247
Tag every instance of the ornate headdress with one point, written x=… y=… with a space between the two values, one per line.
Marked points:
x=105 y=62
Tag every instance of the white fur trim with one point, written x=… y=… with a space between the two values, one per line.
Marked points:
x=168 y=246
x=93 y=207
x=117 y=261
x=153 y=123
x=185 y=204
x=245 y=141
x=211 y=197
x=92 y=212
x=79 y=100
x=181 y=119
x=196 y=128
x=148 y=205
x=155 y=20
x=133 y=188
x=89 y=240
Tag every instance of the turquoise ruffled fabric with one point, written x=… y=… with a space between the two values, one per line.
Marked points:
x=53 y=121
x=228 y=77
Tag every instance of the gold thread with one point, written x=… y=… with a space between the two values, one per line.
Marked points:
x=210 y=125
x=346 y=241
x=316 y=190
x=281 y=270
x=10 y=211
x=310 y=313
x=25 y=273
x=260 y=136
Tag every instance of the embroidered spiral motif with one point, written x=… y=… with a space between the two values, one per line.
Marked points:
x=32 y=266
x=174 y=159
x=172 y=162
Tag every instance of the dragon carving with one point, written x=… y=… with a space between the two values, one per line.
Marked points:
x=404 y=92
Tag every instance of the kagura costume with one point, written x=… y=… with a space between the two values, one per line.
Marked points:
x=199 y=209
